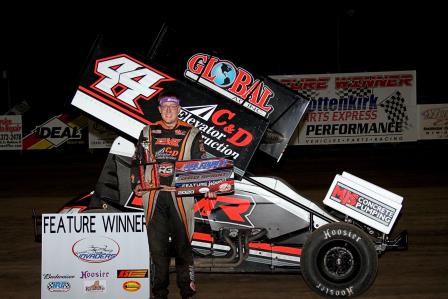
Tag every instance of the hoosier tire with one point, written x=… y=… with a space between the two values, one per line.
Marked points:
x=339 y=260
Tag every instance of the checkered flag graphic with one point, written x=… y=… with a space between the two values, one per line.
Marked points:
x=395 y=109
x=308 y=94
x=355 y=92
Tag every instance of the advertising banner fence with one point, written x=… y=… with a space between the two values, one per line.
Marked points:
x=100 y=136
x=11 y=132
x=433 y=121
x=61 y=130
x=357 y=107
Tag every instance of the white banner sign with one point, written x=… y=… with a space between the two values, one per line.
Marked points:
x=433 y=121
x=102 y=255
x=100 y=136
x=357 y=107
x=11 y=132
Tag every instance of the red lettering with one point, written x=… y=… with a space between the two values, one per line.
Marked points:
x=196 y=63
x=260 y=101
x=239 y=86
x=208 y=69
x=345 y=195
x=219 y=113
x=234 y=208
x=241 y=138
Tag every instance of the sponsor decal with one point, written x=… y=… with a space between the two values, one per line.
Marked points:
x=167 y=153
x=232 y=209
x=95 y=286
x=335 y=292
x=168 y=141
x=57 y=276
x=235 y=83
x=197 y=188
x=131 y=286
x=180 y=132
x=58 y=286
x=132 y=273
x=202 y=165
x=126 y=80
x=363 y=204
x=225 y=187
x=96 y=249
x=200 y=177
x=217 y=128
x=93 y=274
x=166 y=169
x=340 y=232
x=55 y=132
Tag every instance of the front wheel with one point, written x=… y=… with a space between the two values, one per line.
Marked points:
x=339 y=260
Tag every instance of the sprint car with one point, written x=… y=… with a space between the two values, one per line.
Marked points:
x=265 y=225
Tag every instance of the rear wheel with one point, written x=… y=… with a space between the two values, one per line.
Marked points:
x=339 y=260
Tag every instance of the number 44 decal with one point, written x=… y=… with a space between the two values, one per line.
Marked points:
x=127 y=80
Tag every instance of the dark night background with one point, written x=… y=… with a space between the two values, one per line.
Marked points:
x=43 y=51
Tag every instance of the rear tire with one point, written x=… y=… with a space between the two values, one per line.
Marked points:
x=339 y=260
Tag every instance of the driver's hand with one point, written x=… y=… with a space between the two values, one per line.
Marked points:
x=168 y=188
x=139 y=191
x=210 y=195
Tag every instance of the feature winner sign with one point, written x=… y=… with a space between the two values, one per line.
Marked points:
x=364 y=201
x=104 y=255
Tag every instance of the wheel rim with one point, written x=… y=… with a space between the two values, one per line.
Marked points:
x=339 y=262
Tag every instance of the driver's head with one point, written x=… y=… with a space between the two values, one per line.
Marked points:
x=169 y=107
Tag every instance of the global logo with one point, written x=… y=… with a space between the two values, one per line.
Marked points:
x=96 y=249
x=224 y=73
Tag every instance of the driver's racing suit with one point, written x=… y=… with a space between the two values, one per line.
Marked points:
x=165 y=214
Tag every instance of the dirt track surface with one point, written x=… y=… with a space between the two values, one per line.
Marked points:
x=416 y=171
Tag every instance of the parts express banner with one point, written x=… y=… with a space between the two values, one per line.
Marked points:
x=357 y=107
x=120 y=88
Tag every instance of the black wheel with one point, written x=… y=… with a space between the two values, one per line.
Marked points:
x=339 y=260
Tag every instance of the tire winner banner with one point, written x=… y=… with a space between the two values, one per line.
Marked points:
x=345 y=108
x=103 y=255
x=120 y=88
